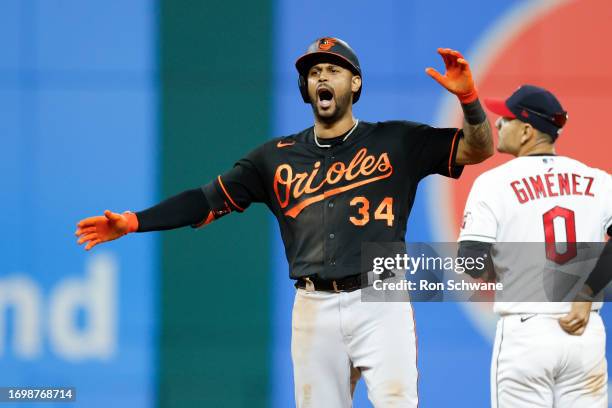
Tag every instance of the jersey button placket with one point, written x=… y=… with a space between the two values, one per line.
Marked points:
x=329 y=225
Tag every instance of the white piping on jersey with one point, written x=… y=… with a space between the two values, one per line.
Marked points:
x=314 y=130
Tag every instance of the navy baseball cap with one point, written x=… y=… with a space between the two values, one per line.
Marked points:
x=534 y=105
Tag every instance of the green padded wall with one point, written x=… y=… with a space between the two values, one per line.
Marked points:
x=215 y=60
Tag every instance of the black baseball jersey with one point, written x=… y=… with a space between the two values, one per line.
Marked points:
x=328 y=201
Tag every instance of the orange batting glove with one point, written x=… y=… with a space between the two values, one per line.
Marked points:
x=458 y=77
x=110 y=226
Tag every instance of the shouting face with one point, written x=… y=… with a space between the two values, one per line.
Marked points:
x=331 y=89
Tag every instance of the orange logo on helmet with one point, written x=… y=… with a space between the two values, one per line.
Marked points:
x=326 y=43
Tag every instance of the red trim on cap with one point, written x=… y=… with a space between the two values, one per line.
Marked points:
x=499 y=107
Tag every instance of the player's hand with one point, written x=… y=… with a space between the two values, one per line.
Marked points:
x=110 y=226
x=575 y=322
x=458 y=77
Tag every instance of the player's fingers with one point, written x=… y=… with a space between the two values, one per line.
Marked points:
x=563 y=325
x=576 y=330
x=86 y=230
x=444 y=54
x=568 y=329
x=450 y=58
x=435 y=75
x=456 y=53
x=88 y=237
x=564 y=322
x=111 y=215
x=572 y=327
x=463 y=63
x=92 y=244
x=448 y=63
x=86 y=222
x=580 y=331
x=576 y=324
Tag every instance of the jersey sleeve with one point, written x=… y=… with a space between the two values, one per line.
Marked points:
x=237 y=188
x=438 y=150
x=479 y=219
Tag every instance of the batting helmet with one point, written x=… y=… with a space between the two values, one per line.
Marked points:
x=327 y=49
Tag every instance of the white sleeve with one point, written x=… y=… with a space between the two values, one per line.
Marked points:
x=479 y=220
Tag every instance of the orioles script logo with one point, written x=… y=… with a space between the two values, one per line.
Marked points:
x=363 y=169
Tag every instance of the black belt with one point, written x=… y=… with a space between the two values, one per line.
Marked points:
x=346 y=284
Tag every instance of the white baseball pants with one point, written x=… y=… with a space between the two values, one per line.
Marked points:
x=335 y=332
x=537 y=365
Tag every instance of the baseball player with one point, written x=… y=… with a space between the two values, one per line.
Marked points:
x=332 y=187
x=546 y=353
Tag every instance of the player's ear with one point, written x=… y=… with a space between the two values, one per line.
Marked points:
x=355 y=83
x=498 y=123
x=527 y=133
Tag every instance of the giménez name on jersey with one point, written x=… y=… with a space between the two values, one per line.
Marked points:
x=450 y=285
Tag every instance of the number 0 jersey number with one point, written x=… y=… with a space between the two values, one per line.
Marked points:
x=550 y=235
x=384 y=211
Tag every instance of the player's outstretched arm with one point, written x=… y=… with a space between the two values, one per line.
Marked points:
x=187 y=208
x=477 y=143
x=233 y=191
x=110 y=226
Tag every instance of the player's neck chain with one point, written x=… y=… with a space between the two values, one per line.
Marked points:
x=316 y=138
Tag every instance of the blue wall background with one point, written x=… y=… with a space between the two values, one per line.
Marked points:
x=78 y=130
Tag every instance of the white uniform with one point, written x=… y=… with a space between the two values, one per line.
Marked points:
x=541 y=199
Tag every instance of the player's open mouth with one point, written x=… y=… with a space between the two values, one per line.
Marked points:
x=325 y=97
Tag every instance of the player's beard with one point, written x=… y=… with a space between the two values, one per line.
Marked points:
x=339 y=108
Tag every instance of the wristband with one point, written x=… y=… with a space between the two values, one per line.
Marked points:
x=473 y=112
x=468 y=97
